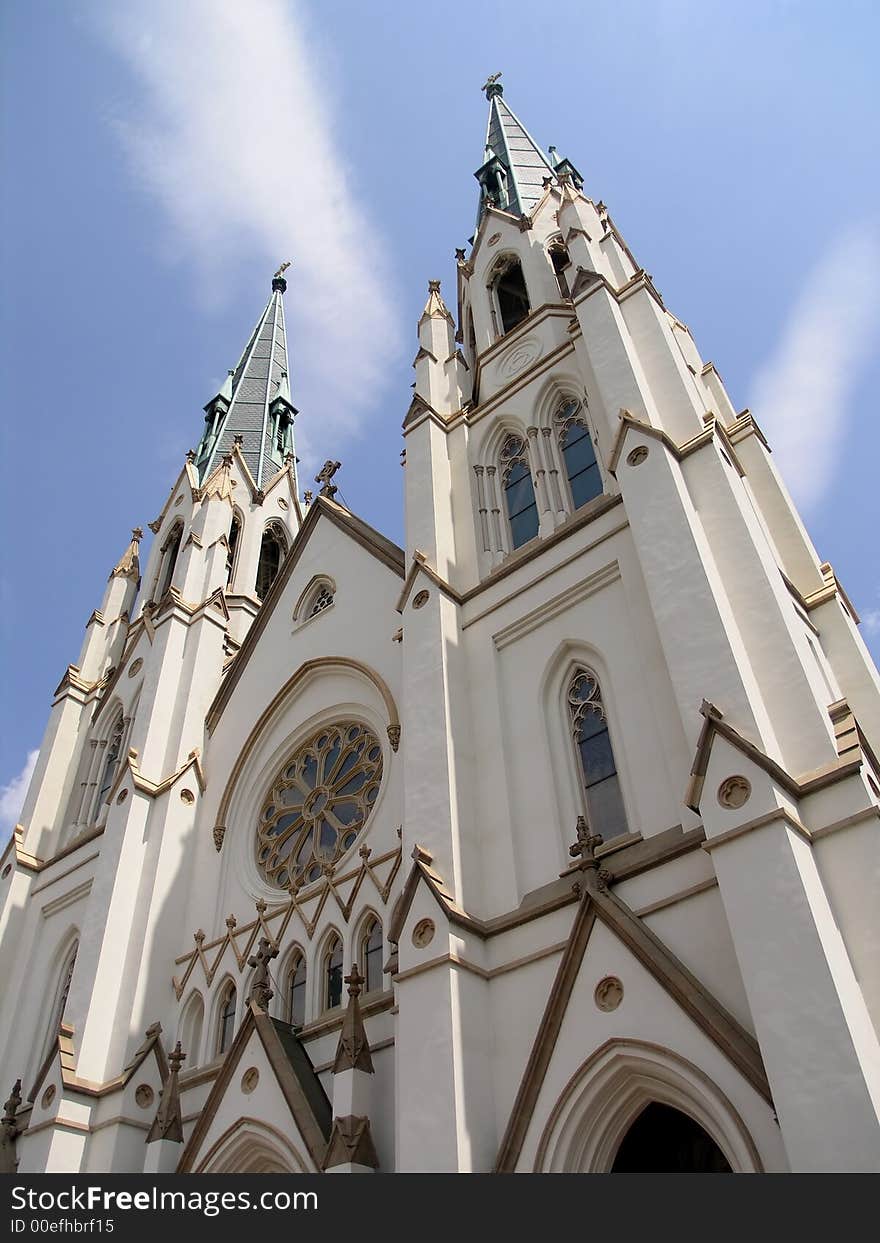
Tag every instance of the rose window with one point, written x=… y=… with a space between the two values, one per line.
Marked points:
x=318 y=804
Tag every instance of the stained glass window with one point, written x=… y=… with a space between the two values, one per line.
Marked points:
x=605 y=811
x=581 y=467
x=519 y=492
x=318 y=804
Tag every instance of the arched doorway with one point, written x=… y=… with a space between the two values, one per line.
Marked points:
x=663 y=1140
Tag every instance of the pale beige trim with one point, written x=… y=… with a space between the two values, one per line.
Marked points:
x=283 y=1140
x=332 y=1020
x=761 y=822
x=61 y=875
x=848 y=822
x=453 y=959
x=120 y=1120
x=34 y=864
x=551 y=608
x=692 y=890
x=67 y=899
x=64 y=1124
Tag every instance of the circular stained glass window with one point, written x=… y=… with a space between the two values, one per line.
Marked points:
x=318 y=804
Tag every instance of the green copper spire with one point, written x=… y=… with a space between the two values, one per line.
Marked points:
x=514 y=166
x=254 y=402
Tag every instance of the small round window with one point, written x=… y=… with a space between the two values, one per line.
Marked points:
x=318 y=804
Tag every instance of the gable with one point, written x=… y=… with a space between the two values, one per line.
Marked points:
x=266 y=1096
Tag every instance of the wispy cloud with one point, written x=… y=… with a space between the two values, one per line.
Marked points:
x=234 y=133
x=801 y=395
x=12 y=795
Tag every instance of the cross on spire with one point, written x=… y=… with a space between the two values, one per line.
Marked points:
x=586 y=844
x=176 y=1059
x=324 y=476
x=354 y=980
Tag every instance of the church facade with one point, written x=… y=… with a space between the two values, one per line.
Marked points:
x=548 y=842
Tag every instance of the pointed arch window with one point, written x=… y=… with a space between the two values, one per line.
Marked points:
x=561 y=260
x=519 y=491
x=59 y=1005
x=578 y=455
x=272 y=550
x=371 y=955
x=232 y=545
x=111 y=763
x=170 y=550
x=226 y=1018
x=589 y=726
x=296 y=991
x=511 y=295
x=191 y=1028
x=333 y=974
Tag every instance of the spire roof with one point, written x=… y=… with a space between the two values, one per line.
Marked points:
x=510 y=146
x=242 y=407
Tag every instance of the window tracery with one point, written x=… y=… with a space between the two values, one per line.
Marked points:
x=578 y=455
x=272 y=550
x=589 y=727
x=296 y=990
x=519 y=491
x=318 y=804
x=511 y=295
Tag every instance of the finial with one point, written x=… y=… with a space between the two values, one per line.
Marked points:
x=354 y=981
x=433 y=286
x=168 y=1122
x=10 y=1131
x=261 y=989
x=554 y=155
x=492 y=86
x=279 y=284
x=459 y=254
x=176 y=1059
x=324 y=475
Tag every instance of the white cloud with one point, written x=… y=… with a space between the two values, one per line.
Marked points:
x=800 y=397
x=871 y=621
x=235 y=135
x=12 y=795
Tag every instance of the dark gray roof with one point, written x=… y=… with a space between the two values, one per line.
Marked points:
x=525 y=162
x=255 y=382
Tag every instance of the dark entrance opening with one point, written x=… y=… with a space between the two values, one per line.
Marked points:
x=663 y=1140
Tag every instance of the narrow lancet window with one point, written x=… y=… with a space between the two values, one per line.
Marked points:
x=170 y=549
x=296 y=992
x=111 y=764
x=589 y=725
x=519 y=491
x=371 y=956
x=234 y=533
x=333 y=974
x=272 y=552
x=581 y=467
x=226 y=1019
x=512 y=295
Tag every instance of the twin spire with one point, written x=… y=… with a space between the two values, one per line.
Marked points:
x=515 y=169
x=254 y=404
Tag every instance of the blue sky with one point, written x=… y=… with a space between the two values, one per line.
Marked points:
x=162 y=159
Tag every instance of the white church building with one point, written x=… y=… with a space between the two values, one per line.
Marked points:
x=548 y=842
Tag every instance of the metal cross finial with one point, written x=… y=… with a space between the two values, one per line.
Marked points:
x=176 y=1059
x=283 y=268
x=586 y=843
x=490 y=81
x=354 y=981
x=261 y=989
x=324 y=475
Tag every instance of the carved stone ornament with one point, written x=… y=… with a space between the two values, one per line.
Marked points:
x=523 y=354
x=609 y=993
x=143 y=1095
x=421 y=599
x=249 y=1080
x=496 y=237
x=10 y=1131
x=637 y=456
x=423 y=933
x=219 y=834
x=187 y=796
x=282 y=503
x=261 y=989
x=135 y=667
x=734 y=792
x=351 y=1143
x=48 y=1096
x=393 y=732
x=179 y=501
x=121 y=796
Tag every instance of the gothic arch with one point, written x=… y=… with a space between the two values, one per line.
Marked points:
x=293 y=957
x=302 y=610
x=567 y=781
x=250 y=1146
x=212 y=1039
x=610 y=1089
x=190 y=1028
x=59 y=975
x=329 y=941
x=280 y=705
